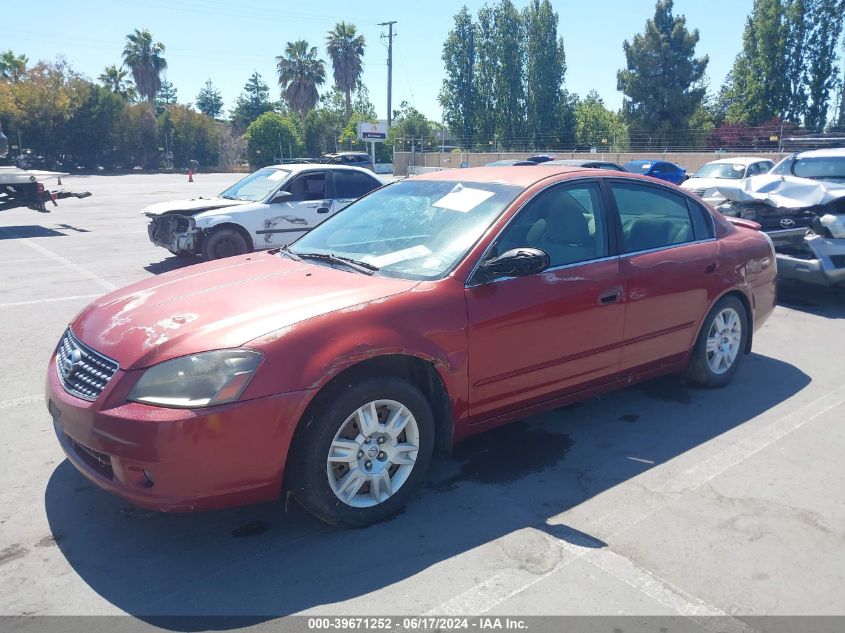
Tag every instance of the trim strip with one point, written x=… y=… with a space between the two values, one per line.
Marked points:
x=301 y=230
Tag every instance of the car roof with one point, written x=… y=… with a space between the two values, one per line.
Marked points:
x=579 y=162
x=823 y=153
x=742 y=160
x=518 y=176
x=297 y=167
x=363 y=154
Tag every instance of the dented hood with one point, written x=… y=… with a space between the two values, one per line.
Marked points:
x=219 y=305
x=189 y=207
x=786 y=192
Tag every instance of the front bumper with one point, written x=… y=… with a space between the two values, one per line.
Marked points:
x=176 y=233
x=177 y=459
x=817 y=260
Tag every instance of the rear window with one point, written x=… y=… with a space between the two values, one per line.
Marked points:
x=637 y=168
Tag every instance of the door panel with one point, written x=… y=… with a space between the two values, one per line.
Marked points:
x=670 y=267
x=537 y=337
x=284 y=222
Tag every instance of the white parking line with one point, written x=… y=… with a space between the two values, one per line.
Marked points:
x=508 y=583
x=66 y=262
x=48 y=300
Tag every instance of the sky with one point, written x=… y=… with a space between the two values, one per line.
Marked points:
x=226 y=41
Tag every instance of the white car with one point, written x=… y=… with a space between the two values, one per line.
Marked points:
x=269 y=208
x=705 y=182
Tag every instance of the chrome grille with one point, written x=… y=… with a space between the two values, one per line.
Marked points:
x=82 y=371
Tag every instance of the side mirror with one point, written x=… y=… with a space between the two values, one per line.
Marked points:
x=282 y=196
x=517 y=262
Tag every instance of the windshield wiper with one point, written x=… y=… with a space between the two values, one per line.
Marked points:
x=285 y=250
x=355 y=264
x=230 y=197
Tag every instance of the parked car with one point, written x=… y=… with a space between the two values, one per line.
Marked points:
x=592 y=164
x=801 y=204
x=349 y=159
x=660 y=169
x=430 y=310
x=705 y=182
x=511 y=162
x=269 y=208
x=540 y=158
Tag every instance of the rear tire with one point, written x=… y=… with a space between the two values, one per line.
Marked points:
x=362 y=451
x=224 y=242
x=720 y=345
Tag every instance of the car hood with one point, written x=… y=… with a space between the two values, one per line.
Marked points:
x=786 y=192
x=190 y=207
x=707 y=183
x=219 y=305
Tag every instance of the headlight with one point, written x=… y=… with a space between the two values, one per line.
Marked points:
x=835 y=224
x=200 y=380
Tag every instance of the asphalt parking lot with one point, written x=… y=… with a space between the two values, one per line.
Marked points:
x=656 y=500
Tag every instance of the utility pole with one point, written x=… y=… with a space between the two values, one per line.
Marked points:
x=390 y=36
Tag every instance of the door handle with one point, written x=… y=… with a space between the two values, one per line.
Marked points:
x=711 y=268
x=323 y=210
x=611 y=296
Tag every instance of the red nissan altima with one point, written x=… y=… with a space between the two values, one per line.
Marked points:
x=429 y=310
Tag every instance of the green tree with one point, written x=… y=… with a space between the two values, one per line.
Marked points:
x=252 y=102
x=596 y=126
x=545 y=67
x=458 y=94
x=191 y=136
x=144 y=58
x=209 y=100
x=822 y=80
x=94 y=127
x=166 y=96
x=115 y=79
x=346 y=50
x=509 y=76
x=796 y=29
x=485 y=71
x=662 y=81
x=300 y=72
x=269 y=137
x=410 y=125
x=12 y=66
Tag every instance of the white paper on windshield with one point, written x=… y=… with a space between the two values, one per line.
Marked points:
x=463 y=199
x=399 y=256
x=277 y=175
x=646 y=165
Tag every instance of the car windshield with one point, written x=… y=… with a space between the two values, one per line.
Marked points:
x=256 y=186
x=721 y=170
x=829 y=168
x=412 y=229
x=637 y=168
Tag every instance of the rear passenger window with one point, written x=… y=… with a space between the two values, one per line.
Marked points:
x=651 y=217
x=351 y=184
x=566 y=222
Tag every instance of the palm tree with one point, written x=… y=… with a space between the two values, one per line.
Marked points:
x=143 y=58
x=346 y=50
x=12 y=66
x=300 y=72
x=114 y=78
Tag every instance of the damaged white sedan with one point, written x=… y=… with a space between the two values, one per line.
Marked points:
x=269 y=208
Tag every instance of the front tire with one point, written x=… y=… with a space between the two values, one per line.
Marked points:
x=224 y=242
x=361 y=453
x=720 y=345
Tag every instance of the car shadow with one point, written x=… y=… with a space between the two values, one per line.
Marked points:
x=258 y=563
x=171 y=263
x=828 y=302
x=27 y=231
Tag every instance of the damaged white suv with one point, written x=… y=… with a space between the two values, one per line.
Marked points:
x=269 y=208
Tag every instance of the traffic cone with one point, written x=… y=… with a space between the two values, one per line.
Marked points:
x=190 y=175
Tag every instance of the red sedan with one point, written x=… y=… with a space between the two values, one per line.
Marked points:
x=430 y=310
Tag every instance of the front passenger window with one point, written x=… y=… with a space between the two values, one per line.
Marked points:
x=566 y=221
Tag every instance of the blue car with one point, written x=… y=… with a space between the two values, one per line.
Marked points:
x=661 y=169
